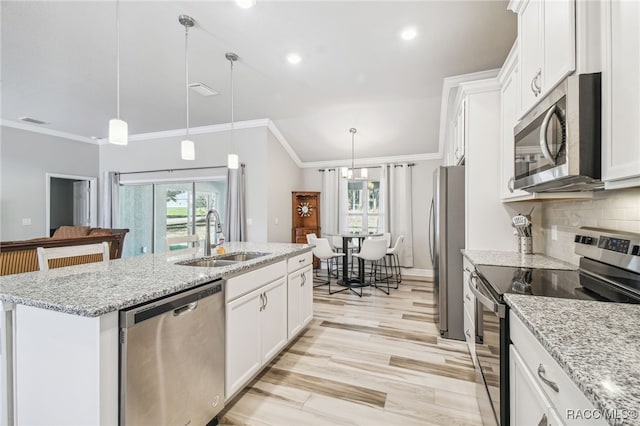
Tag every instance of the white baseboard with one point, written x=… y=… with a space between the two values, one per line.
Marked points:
x=415 y=272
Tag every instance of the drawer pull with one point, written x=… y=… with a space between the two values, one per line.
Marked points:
x=302 y=260
x=552 y=385
x=467 y=333
x=467 y=297
x=543 y=421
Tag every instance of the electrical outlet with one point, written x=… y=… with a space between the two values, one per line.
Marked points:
x=26 y=221
x=144 y=249
x=554 y=232
x=249 y=221
x=277 y=220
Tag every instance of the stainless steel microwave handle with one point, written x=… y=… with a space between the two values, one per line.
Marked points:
x=490 y=304
x=544 y=146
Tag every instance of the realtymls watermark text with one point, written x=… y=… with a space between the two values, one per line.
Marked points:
x=595 y=414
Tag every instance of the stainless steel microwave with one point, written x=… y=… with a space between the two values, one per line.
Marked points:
x=557 y=144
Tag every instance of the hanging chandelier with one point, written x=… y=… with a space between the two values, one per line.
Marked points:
x=187 y=147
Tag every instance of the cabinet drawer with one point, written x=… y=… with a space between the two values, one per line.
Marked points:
x=300 y=261
x=243 y=284
x=562 y=392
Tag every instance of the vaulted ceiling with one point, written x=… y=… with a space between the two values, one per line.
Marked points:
x=58 y=66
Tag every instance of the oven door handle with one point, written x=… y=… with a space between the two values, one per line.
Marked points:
x=494 y=307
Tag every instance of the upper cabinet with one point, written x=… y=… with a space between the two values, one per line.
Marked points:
x=547 y=47
x=620 y=89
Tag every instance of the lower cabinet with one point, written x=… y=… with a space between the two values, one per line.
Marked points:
x=469 y=304
x=300 y=300
x=541 y=393
x=256 y=326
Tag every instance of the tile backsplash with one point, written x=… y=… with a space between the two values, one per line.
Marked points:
x=615 y=209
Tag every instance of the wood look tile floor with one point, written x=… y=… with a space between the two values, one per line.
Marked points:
x=375 y=360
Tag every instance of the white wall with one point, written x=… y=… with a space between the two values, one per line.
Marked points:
x=25 y=158
x=284 y=177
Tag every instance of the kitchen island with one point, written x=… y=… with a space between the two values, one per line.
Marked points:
x=60 y=331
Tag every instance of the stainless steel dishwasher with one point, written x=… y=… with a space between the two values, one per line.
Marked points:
x=172 y=359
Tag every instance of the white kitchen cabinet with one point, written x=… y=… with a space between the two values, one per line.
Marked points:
x=256 y=331
x=508 y=78
x=459 y=132
x=539 y=385
x=547 y=47
x=620 y=89
x=256 y=323
x=529 y=406
x=300 y=300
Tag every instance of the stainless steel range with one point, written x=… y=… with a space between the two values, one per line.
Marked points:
x=609 y=271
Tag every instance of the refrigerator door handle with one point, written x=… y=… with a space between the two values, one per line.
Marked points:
x=431 y=232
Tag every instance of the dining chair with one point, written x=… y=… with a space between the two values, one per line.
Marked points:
x=395 y=260
x=387 y=237
x=180 y=241
x=72 y=255
x=323 y=251
x=374 y=250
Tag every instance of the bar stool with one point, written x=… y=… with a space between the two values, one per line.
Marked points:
x=395 y=261
x=323 y=251
x=374 y=250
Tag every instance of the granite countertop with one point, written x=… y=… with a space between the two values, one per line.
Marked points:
x=95 y=289
x=596 y=343
x=507 y=258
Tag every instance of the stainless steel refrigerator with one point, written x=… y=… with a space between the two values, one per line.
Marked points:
x=446 y=239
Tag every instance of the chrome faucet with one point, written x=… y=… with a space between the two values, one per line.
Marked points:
x=207 y=239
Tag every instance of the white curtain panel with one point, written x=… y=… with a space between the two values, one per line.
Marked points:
x=383 y=208
x=109 y=200
x=400 y=210
x=343 y=201
x=329 y=201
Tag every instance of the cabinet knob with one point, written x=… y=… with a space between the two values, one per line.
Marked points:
x=510 y=184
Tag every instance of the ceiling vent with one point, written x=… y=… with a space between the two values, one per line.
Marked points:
x=202 y=89
x=32 y=120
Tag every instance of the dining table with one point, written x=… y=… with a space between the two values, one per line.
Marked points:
x=349 y=281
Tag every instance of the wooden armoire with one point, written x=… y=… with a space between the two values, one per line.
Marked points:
x=305 y=209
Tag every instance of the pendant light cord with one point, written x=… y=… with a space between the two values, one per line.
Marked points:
x=117 y=59
x=186 y=72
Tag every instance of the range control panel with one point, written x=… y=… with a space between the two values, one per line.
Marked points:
x=613 y=247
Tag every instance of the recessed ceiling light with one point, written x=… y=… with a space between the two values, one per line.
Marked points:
x=294 y=58
x=246 y=4
x=409 y=33
x=202 y=89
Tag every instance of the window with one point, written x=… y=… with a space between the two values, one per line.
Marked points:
x=154 y=211
x=363 y=206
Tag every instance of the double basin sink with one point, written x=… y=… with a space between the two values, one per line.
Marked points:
x=222 y=260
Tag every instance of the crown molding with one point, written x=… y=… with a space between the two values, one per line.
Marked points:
x=283 y=141
x=447 y=85
x=373 y=161
x=248 y=124
x=213 y=128
x=37 y=129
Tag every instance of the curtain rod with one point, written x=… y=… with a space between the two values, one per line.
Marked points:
x=368 y=167
x=174 y=170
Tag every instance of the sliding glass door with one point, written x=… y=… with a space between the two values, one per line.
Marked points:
x=155 y=211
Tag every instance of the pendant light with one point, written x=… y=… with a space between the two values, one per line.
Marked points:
x=187 y=147
x=118 y=129
x=232 y=159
